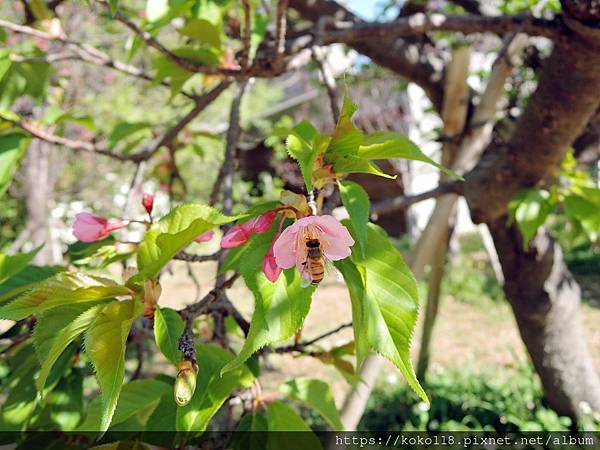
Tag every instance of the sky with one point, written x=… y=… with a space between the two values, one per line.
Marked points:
x=364 y=8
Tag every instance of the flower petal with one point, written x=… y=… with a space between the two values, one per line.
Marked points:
x=270 y=267
x=284 y=247
x=205 y=237
x=235 y=237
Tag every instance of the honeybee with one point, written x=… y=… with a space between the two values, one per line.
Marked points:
x=314 y=264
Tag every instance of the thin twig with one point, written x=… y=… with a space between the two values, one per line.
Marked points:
x=247 y=37
x=300 y=346
x=404 y=201
x=233 y=135
x=82 y=52
x=328 y=80
x=93 y=147
x=190 y=257
x=202 y=306
x=280 y=30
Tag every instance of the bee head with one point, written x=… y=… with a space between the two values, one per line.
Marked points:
x=313 y=243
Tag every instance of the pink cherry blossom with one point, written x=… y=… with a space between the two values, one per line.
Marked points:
x=205 y=237
x=290 y=247
x=269 y=266
x=89 y=227
x=240 y=233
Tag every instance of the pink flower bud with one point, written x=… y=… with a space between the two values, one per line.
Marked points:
x=269 y=266
x=90 y=227
x=239 y=234
x=148 y=202
x=205 y=237
x=236 y=236
x=263 y=222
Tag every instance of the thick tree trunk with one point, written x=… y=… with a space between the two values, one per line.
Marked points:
x=546 y=302
x=39 y=190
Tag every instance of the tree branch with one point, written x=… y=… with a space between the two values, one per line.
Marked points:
x=92 y=147
x=83 y=52
x=280 y=29
x=404 y=201
x=190 y=257
x=300 y=346
x=202 y=307
x=420 y=23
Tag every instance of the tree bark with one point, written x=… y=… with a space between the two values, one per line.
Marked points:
x=546 y=303
x=38 y=193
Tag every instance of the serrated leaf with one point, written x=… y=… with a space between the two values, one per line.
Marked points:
x=346 y=137
x=212 y=389
x=317 y=395
x=356 y=202
x=353 y=164
x=136 y=396
x=391 y=144
x=530 y=209
x=356 y=288
x=390 y=302
x=203 y=31
x=62 y=289
x=13 y=264
x=168 y=328
x=304 y=144
x=105 y=345
x=172 y=233
x=25 y=280
x=281 y=417
x=280 y=307
x=55 y=330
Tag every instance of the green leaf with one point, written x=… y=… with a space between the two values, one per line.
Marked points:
x=172 y=233
x=136 y=396
x=390 y=302
x=11 y=265
x=584 y=207
x=203 y=31
x=281 y=417
x=12 y=149
x=25 y=280
x=55 y=330
x=212 y=389
x=19 y=404
x=346 y=137
x=251 y=433
x=391 y=144
x=280 y=307
x=317 y=395
x=65 y=402
x=356 y=201
x=124 y=130
x=168 y=328
x=105 y=345
x=530 y=209
x=356 y=289
x=113 y=6
x=304 y=144
x=353 y=164
x=62 y=289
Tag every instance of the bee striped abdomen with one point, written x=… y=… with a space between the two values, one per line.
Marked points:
x=314 y=261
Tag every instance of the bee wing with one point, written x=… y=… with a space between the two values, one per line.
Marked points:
x=306 y=280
